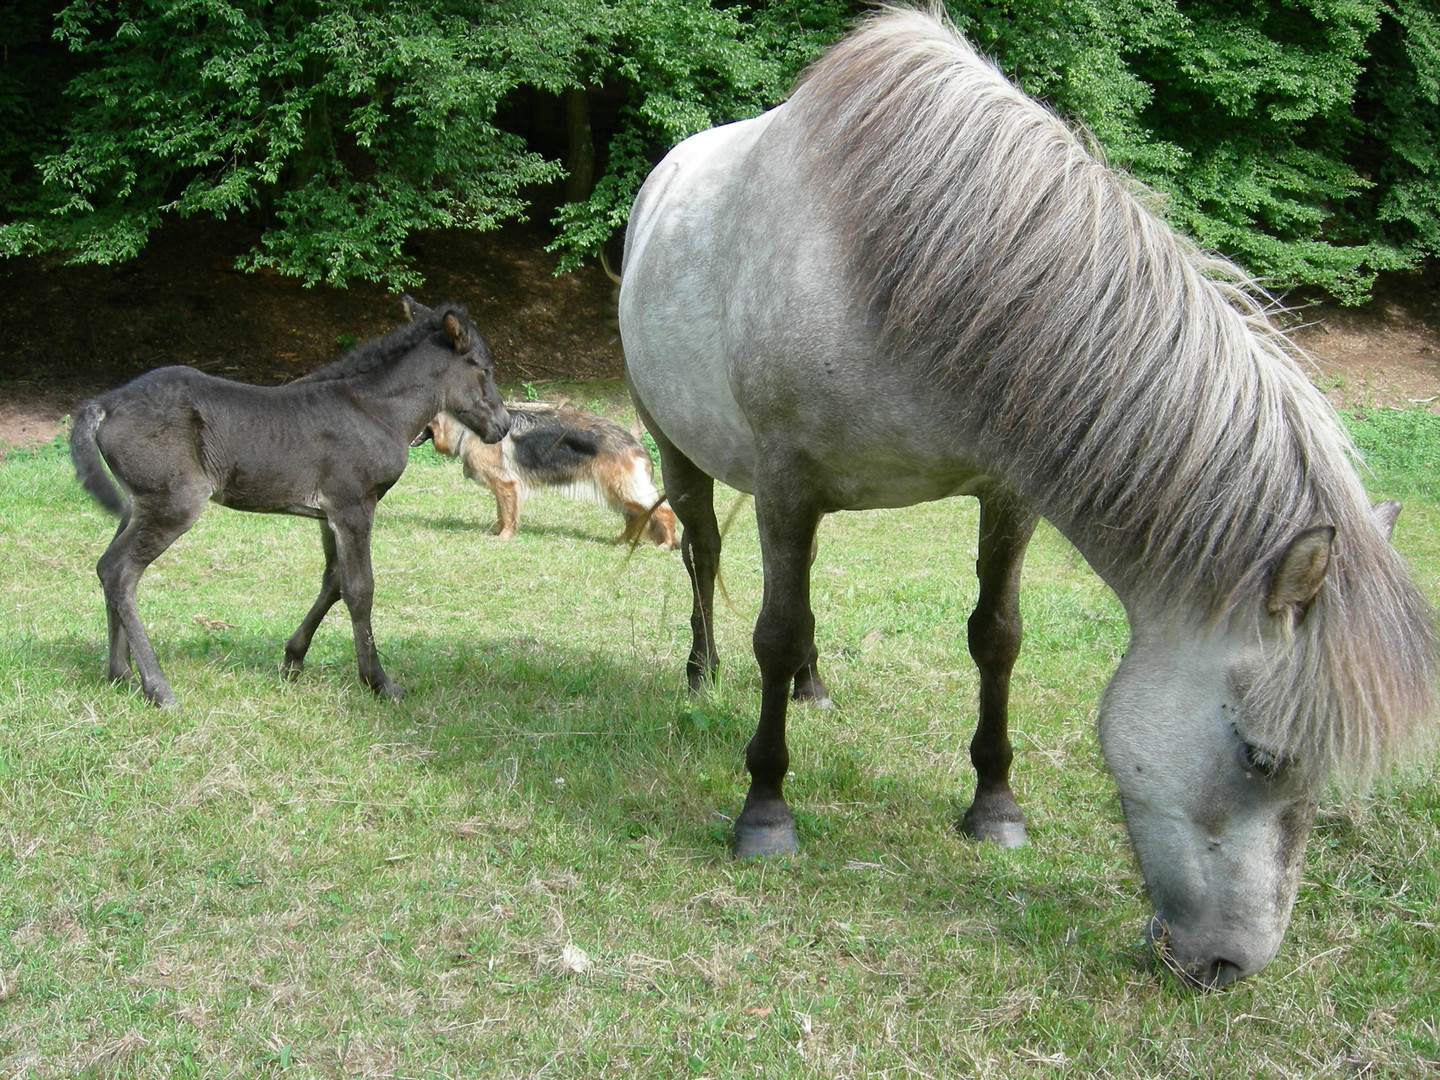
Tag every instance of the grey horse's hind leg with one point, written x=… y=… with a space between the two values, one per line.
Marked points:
x=808 y=684
x=691 y=494
x=299 y=643
x=784 y=643
x=994 y=636
x=151 y=526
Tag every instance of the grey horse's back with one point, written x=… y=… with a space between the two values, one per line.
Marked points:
x=89 y=466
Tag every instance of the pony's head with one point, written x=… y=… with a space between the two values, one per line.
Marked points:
x=467 y=386
x=1219 y=772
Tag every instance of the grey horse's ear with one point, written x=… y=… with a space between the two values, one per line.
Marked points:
x=1301 y=571
x=1385 y=515
x=413 y=308
x=458 y=334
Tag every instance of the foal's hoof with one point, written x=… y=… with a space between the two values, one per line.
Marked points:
x=392 y=690
x=1007 y=834
x=766 y=841
x=158 y=694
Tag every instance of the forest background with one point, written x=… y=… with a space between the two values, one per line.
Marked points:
x=1299 y=137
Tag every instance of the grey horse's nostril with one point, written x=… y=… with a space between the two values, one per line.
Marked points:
x=1200 y=974
x=1221 y=973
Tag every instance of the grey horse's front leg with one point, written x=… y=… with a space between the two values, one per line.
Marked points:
x=784 y=644
x=994 y=636
x=351 y=527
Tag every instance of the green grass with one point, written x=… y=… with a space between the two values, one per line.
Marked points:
x=521 y=869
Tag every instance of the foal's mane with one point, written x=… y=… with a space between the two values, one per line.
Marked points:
x=388 y=348
x=1127 y=384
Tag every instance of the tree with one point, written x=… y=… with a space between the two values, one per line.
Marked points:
x=1299 y=136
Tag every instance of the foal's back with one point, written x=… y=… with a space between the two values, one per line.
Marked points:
x=258 y=448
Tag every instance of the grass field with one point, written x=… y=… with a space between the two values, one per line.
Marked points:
x=521 y=870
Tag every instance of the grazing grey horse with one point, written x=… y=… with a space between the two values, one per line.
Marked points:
x=910 y=282
x=327 y=446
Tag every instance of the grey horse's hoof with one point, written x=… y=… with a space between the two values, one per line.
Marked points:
x=1007 y=834
x=766 y=841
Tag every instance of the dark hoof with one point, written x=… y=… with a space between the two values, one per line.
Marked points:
x=161 y=698
x=290 y=672
x=1007 y=834
x=766 y=841
x=388 y=689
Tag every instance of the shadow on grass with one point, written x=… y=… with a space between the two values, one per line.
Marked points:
x=484 y=528
x=645 y=762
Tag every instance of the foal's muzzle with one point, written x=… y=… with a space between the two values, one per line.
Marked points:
x=490 y=422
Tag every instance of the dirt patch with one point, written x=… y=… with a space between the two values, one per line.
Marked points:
x=1383 y=355
x=69 y=332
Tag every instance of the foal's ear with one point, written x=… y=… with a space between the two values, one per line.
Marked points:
x=1301 y=571
x=414 y=310
x=458 y=334
x=1385 y=515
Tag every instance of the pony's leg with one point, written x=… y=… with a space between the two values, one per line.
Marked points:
x=994 y=636
x=808 y=684
x=351 y=526
x=691 y=494
x=299 y=643
x=119 y=643
x=152 y=525
x=784 y=644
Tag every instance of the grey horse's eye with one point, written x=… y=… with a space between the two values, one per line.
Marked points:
x=1255 y=759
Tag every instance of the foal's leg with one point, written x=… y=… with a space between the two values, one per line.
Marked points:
x=784 y=644
x=299 y=643
x=994 y=633
x=691 y=494
x=152 y=525
x=119 y=643
x=351 y=525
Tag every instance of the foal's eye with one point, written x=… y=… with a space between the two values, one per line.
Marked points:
x=1255 y=759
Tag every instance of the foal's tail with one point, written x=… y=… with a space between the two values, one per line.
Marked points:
x=89 y=466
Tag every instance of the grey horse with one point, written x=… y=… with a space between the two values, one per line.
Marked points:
x=910 y=282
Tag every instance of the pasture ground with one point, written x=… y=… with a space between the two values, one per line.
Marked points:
x=521 y=870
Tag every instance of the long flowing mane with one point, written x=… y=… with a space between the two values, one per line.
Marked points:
x=1124 y=382
x=388 y=348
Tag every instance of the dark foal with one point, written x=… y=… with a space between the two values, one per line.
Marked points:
x=328 y=446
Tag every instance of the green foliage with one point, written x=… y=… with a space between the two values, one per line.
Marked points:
x=1257 y=121
x=1301 y=138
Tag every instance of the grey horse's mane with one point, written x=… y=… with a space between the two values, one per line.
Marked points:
x=388 y=348
x=1124 y=382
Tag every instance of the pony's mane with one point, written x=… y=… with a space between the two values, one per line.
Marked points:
x=388 y=348
x=1124 y=382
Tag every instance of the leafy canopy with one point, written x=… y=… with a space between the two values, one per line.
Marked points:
x=1301 y=137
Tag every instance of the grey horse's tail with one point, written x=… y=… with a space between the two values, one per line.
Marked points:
x=89 y=466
